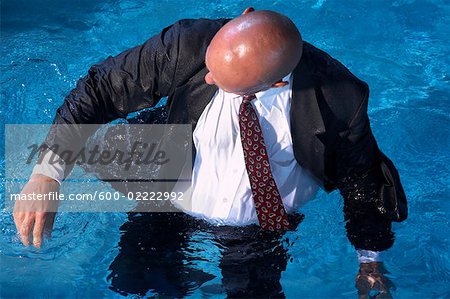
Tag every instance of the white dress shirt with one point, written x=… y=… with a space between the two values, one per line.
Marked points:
x=220 y=190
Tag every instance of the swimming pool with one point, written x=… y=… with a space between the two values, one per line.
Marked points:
x=401 y=48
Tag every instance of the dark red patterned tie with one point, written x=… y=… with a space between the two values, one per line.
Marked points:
x=269 y=206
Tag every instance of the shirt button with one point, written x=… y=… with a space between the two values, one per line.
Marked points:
x=224 y=199
x=235 y=170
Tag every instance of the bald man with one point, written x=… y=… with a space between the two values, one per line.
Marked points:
x=273 y=119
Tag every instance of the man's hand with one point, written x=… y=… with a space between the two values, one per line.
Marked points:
x=371 y=278
x=34 y=217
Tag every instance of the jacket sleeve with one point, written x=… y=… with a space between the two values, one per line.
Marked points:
x=370 y=184
x=133 y=80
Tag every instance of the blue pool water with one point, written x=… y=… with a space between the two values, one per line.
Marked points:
x=400 y=47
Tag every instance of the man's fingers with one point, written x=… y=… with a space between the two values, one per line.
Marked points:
x=363 y=286
x=38 y=229
x=31 y=217
x=25 y=229
x=18 y=219
x=49 y=221
x=380 y=283
x=366 y=283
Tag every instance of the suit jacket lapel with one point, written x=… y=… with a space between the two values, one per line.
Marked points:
x=306 y=121
x=190 y=99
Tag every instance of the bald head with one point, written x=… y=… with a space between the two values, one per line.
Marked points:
x=253 y=52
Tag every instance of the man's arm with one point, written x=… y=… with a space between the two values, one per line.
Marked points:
x=113 y=88
x=372 y=191
x=368 y=181
x=133 y=80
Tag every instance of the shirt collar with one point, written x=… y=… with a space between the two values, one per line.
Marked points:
x=267 y=97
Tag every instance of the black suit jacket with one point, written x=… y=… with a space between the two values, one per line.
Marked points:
x=329 y=123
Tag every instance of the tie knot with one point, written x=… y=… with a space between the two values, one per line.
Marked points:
x=248 y=98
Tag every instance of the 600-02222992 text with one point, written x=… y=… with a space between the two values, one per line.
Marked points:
x=102 y=195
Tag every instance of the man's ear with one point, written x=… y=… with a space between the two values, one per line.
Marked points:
x=278 y=84
x=247 y=10
x=209 y=79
